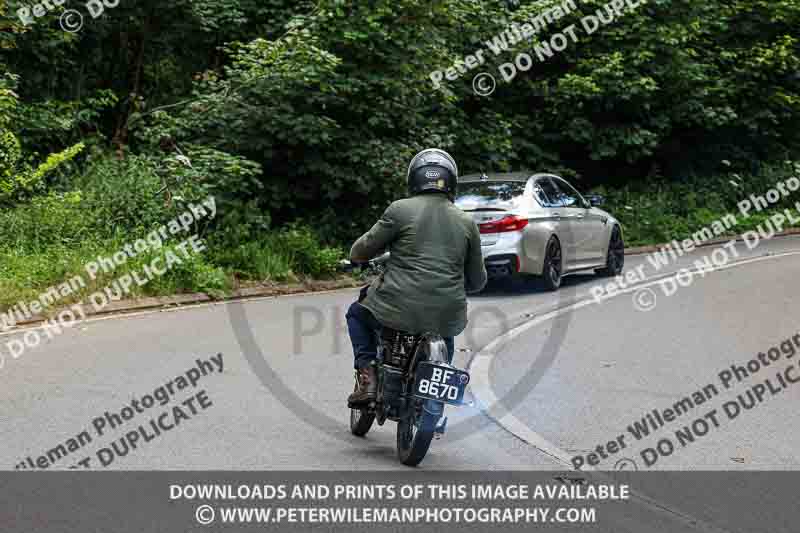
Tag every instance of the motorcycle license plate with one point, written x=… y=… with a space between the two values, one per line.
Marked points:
x=440 y=382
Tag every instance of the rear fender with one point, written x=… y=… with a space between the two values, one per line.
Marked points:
x=436 y=349
x=431 y=348
x=534 y=244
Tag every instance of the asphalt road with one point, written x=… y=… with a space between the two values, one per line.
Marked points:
x=555 y=375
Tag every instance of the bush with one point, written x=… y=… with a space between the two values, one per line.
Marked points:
x=122 y=197
x=305 y=252
x=52 y=220
x=654 y=214
x=25 y=273
x=195 y=274
x=282 y=255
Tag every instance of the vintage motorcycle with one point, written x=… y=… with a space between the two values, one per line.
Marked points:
x=415 y=381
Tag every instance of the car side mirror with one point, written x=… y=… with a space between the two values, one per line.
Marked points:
x=595 y=200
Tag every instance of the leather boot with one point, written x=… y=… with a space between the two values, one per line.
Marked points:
x=366 y=387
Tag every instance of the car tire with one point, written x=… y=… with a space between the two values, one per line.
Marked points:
x=615 y=258
x=553 y=269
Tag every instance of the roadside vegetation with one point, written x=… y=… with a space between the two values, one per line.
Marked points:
x=658 y=211
x=300 y=118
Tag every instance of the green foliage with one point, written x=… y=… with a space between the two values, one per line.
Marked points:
x=654 y=214
x=333 y=109
x=18 y=179
x=280 y=256
x=51 y=220
x=230 y=179
x=195 y=274
x=297 y=114
x=303 y=248
x=256 y=260
x=122 y=196
x=24 y=274
x=52 y=123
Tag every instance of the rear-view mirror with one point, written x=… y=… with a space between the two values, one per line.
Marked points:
x=595 y=200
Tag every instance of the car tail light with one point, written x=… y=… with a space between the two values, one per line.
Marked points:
x=509 y=223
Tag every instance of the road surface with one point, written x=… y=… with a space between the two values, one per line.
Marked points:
x=555 y=377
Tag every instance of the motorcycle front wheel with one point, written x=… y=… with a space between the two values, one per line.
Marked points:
x=414 y=435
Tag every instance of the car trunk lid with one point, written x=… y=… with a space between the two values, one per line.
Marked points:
x=488 y=201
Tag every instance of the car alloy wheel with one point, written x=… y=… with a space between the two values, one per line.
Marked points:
x=615 y=259
x=553 y=265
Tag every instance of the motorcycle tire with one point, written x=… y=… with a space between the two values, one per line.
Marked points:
x=361 y=420
x=414 y=436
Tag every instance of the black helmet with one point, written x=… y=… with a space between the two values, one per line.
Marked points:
x=432 y=170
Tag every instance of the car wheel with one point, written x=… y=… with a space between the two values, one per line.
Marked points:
x=615 y=259
x=553 y=265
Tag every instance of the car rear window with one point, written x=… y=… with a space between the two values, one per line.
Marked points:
x=490 y=194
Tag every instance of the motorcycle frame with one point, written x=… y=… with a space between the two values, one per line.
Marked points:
x=437 y=353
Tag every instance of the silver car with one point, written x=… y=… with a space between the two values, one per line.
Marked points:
x=538 y=224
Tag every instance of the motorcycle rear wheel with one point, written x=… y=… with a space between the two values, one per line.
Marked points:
x=414 y=436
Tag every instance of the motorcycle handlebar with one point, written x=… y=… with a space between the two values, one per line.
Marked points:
x=373 y=264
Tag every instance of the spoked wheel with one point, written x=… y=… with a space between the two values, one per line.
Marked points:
x=414 y=435
x=361 y=420
x=615 y=259
x=553 y=265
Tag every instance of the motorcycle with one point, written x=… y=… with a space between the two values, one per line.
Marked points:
x=416 y=379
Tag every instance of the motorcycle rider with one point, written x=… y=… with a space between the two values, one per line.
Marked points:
x=435 y=260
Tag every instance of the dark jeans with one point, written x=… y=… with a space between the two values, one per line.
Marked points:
x=363 y=326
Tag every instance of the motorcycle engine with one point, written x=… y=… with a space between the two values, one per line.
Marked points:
x=398 y=348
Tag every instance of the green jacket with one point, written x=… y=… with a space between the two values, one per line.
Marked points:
x=435 y=260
